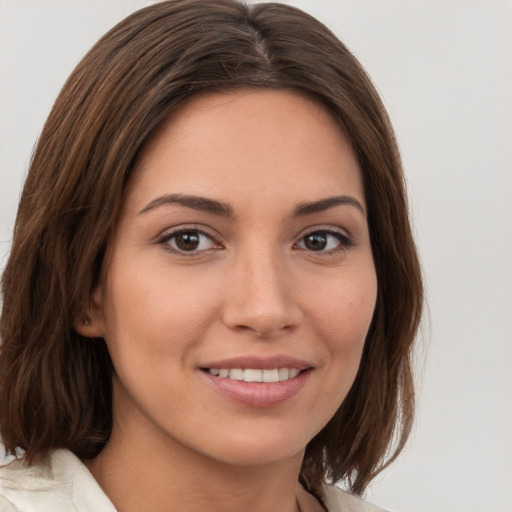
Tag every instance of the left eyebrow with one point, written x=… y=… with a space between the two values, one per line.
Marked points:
x=324 y=204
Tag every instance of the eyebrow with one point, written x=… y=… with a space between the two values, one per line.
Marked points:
x=324 y=204
x=222 y=209
x=195 y=202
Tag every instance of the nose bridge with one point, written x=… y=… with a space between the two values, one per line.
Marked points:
x=260 y=296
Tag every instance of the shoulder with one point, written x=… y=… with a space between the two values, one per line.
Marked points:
x=61 y=482
x=337 y=500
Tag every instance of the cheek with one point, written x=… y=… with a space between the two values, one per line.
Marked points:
x=340 y=315
x=153 y=313
x=343 y=313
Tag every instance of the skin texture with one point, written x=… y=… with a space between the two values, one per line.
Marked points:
x=252 y=287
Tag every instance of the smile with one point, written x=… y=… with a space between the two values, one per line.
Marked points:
x=258 y=387
x=255 y=375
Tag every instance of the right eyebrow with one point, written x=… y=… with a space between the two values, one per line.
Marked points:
x=200 y=203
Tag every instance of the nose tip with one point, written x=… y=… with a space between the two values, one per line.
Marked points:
x=261 y=302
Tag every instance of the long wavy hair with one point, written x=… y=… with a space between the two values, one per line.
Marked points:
x=55 y=386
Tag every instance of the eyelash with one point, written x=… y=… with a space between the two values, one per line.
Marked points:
x=345 y=241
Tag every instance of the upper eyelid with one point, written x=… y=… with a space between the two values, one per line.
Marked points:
x=324 y=228
x=176 y=230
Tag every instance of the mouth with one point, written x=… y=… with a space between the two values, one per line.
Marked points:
x=257 y=382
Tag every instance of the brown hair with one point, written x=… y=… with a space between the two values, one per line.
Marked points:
x=55 y=386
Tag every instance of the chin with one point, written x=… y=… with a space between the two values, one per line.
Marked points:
x=246 y=457
x=266 y=446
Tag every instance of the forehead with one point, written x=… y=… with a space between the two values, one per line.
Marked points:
x=277 y=142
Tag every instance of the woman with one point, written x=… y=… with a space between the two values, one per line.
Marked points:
x=213 y=290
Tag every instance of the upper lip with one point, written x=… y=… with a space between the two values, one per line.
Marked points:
x=261 y=363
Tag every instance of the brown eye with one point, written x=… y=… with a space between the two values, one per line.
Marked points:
x=325 y=241
x=188 y=241
x=315 y=241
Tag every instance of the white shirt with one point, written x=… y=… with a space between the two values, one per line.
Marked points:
x=64 y=484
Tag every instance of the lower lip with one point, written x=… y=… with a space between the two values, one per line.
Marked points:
x=259 y=394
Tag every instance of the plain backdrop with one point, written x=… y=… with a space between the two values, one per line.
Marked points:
x=444 y=69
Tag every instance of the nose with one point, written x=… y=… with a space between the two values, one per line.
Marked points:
x=260 y=297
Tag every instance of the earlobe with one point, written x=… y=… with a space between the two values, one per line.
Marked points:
x=90 y=323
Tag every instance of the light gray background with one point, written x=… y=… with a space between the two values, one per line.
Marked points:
x=444 y=69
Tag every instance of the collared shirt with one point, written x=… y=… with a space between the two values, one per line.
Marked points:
x=64 y=484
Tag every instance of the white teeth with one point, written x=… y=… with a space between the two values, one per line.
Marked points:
x=255 y=375
x=271 y=375
x=236 y=374
x=284 y=374
x=294 y=372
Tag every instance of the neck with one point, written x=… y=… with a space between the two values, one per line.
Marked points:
x=162 y=475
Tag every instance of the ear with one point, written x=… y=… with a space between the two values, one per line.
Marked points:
x=90 y=323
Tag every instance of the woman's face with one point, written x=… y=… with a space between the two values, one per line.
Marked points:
x=242 y=252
